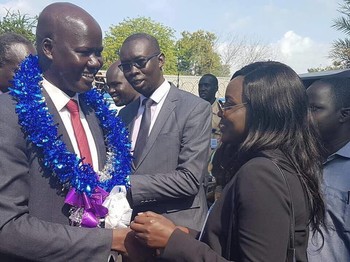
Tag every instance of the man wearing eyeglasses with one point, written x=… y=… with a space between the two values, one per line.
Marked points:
x=170 y=157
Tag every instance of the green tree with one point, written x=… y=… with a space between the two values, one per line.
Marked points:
x=341 y=47
x=197 y=55
x=117 y=34
x=18 y=23
x=335 y=66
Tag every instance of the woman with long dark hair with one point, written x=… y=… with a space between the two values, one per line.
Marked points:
x=265 y=210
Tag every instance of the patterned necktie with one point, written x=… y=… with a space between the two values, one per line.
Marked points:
x=144 y=129
x=79 y=132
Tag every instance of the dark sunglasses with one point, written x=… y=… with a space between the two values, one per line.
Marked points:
x=138 y=63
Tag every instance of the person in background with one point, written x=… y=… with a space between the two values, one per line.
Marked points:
x=265 y=210
x=51 y=149
x=99 y=81
x=329 y=100
x=118 y=87
x=170 y=135
x=13 y=49
x=207 y=89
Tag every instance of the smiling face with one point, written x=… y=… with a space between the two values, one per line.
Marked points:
x=75 y=53
x=233 y=124
x=324 y=110
x=144 y=80
x=15 y=54
x=118 y=87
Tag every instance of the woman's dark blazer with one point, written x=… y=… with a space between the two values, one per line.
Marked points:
x=251 y=220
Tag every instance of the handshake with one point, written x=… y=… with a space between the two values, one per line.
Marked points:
x=147 y=235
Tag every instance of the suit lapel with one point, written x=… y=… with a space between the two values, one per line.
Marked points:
x=164 y=113
x=61 y=130
x=128 y=114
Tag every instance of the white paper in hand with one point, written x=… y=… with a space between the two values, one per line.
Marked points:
x=119 y=211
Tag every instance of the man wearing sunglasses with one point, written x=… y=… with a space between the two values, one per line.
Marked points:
x=170 y=164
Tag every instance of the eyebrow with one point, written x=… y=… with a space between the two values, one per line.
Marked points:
x=114 y=83
x=229 y=100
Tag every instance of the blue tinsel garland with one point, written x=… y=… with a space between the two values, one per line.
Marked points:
x=38 y=124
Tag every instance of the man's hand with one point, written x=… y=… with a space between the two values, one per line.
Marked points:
x=119 y=236
x=135 y=251
x=152 y=229
x=125 y=242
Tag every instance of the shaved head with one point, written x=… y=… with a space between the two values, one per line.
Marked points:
x=153 y=42
x=59 y=19
x=114 y=67
x=69 y=45
x=58 y=15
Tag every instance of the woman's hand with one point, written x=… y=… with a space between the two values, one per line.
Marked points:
x=152 y=229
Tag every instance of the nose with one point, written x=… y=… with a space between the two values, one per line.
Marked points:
x=112 y=89
x=95 y=61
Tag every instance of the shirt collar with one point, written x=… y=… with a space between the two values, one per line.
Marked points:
x=342 y=152
x=58 y=97
x=215 y=104
x=159 y=93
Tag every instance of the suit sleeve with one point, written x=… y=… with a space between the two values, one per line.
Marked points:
x=262 y=224
x=193 y=150
x=183 y=247
x=22 y=234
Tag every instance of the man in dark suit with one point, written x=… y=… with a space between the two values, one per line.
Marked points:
x=34 y=218
x=171 y=159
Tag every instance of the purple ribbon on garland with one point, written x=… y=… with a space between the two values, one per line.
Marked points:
x=92 y=206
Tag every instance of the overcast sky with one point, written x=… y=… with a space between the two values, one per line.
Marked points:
x=299 y=30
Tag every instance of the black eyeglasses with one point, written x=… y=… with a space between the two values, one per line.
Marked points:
x=223 y=108
x=138 y=63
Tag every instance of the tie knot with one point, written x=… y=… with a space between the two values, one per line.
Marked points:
x=72 y=106
x=147 y=102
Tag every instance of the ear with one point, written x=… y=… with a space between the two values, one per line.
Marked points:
x=161 y=60
x=344 y=114
x=47 y=46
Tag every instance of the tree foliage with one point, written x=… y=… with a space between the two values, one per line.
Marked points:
x=193 y=54
x=340 y=51
x=197 y=54
x=117 y=34
x=17 y=23
x=335 y=66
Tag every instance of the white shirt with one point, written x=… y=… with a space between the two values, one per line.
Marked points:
x=158 y=97
x=60 y=99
